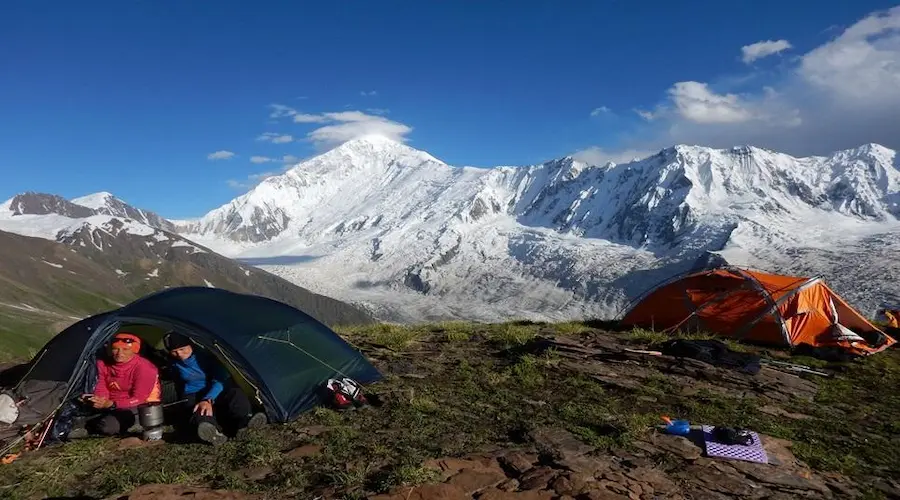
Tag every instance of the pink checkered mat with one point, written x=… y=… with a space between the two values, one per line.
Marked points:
x=753 y=452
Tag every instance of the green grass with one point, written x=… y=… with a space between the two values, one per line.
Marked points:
x=650 y=338
x=470 y=396
x=453 y=331
x=393 y=336
x=644 y=336
x=570 y=327
x=512 y=334
x=22 y=334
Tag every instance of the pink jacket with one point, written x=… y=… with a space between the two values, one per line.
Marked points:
x=128 y=384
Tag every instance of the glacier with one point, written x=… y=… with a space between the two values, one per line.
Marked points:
x=393 y=229
x=379 y=223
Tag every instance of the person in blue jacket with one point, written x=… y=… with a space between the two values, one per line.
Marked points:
x=211 y=403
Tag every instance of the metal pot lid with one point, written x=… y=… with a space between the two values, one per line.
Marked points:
x=9 y=412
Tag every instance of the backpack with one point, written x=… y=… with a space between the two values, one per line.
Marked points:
x=344 y=393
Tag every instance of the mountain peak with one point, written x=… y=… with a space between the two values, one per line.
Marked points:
x=382 y=147
x=94 y=200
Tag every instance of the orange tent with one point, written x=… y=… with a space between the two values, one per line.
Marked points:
x=757 y=307
x=893 y=317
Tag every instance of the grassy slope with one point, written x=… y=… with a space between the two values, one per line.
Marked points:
x=455 y=388
x=46 y=286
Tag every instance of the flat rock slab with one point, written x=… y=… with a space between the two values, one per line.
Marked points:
x=308 y=450
x=495 y=494
x=473 y=480
x=425 y=492
x=561 y=442
x=179 y=492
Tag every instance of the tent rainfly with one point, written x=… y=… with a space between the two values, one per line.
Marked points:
x=757 y=307
x=279 y=355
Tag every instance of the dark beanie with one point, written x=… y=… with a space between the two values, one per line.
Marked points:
x=175 y=340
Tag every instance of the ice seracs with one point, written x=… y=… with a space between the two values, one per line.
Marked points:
x=375 y=221
x=378 y=221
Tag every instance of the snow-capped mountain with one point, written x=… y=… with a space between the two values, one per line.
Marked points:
x=133 y=258
x=379 y=222
x=107 y=204
x=383 y=225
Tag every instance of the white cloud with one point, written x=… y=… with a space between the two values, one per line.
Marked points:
x=599 y=156
x=370 y=93
x=280 y=111
x=291 y=159
x=260 y=159
x=342 y=126
x=839 y=95
x=759 y=50
x=378 y=111
x=647 y=115
x=307 y=118
x=347 y=125
x=220 y=155
x=275 y=138
x=697 y=103
x=600 y=111
x=862 y=65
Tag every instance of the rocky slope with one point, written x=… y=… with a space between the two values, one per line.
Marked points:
x=84 y=263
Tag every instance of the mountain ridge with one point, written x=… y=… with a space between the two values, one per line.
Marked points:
x=434 y=229
x=379 y=223
x=113 y=260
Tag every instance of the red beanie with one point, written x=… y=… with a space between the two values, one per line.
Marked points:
x=129 y=340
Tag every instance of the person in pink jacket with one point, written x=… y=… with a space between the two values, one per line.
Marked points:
x=124 y=382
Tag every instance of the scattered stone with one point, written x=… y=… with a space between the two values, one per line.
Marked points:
x=720 y=479
x=562 y=485
x=889 y=487
x=313 y=430
x=614 y=477
x=309 y=450
x=655 y=480
x=537 y=479
x=517 y=463
x=586 y=464
x=781 y=477
x=601 y=494
x=636 y=489
x=509 y=485
x=581 y=483
x=441 y=491
x=473 y=480
x=255 y=473
x=560 y=441
x=779 y=453
x=495 y=494
x=777 y=411
x=615 y=487
x=677 y=445
x=181 y=492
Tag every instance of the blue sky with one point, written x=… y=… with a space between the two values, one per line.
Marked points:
x=134 y=97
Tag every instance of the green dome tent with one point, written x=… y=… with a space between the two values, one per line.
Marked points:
x=279 y=355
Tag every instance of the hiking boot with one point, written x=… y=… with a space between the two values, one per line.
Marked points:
x=208 y=432
x=257 y=420
x=254 y=422
x=78 y=433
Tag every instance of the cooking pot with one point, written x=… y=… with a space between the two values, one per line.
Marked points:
x=150 y=415
x=154 y=434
